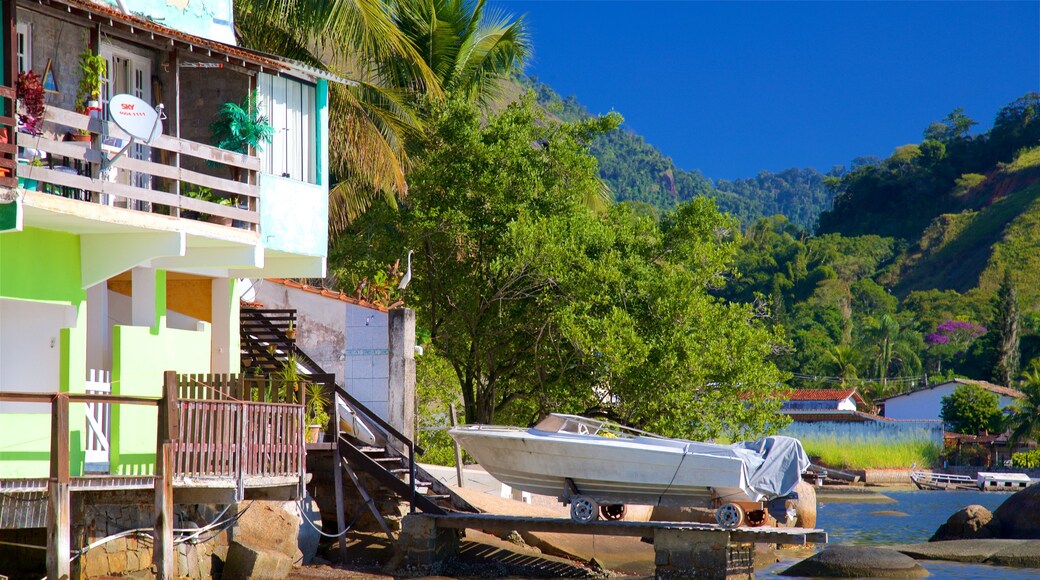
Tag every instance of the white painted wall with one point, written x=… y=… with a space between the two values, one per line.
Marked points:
x=926 y=404
x=847 y=405
x=30 y=349
x=348 y=340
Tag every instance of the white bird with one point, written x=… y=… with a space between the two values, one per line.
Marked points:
x=408 y=273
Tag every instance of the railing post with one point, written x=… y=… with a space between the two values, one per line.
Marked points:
x=243 y=419
x=166 y=434
x=58 y=496
x=458 y=449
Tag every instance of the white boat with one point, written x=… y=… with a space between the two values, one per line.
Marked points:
x=577 y=458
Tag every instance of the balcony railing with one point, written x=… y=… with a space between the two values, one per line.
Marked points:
x=149 y=183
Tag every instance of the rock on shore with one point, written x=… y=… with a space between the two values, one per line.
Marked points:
x=857 y=562
x=1019 y=516
x=968 y=523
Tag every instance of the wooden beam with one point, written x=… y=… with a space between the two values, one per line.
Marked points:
x=58 y=499
x=460 y=481
x=163 y=554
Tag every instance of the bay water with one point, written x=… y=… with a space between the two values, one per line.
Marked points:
x=877 y=524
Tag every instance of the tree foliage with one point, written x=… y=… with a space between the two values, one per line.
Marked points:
x=970 y=409
x=540 y=304
x=1005 y=327
x=1024 y=414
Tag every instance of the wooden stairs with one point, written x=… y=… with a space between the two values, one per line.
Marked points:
x=391 y=464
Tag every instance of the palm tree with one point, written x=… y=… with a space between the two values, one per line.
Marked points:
x=892 y=346
x=1024 y=418
x=844 y=357
x=368 y=120
x=469 y=51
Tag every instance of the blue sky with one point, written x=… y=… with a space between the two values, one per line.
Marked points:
x=732 y=88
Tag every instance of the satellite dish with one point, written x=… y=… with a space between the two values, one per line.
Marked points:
x=133 y=115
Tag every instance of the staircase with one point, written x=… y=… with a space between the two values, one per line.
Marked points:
x=391 y=464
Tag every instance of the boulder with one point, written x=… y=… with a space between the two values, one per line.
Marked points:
x=1019 y=516
x=266 y=525
x=968 y=523
x=245 y=562
x=857 y=562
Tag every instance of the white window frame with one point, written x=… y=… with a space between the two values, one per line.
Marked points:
x=24 y=46
x=289 y=105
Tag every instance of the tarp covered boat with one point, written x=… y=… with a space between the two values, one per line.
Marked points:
x=569 y=456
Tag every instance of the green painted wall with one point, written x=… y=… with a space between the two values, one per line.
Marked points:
x=44 y=265
x=40 y=264
x=140 y=356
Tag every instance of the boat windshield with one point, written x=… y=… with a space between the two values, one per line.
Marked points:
x=559 y=423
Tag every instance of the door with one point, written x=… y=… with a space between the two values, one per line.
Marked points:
x=128 y=73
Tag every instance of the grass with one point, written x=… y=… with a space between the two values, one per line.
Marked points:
x=1026 y=158
x=870 y=454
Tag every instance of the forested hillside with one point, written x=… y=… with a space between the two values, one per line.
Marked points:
x=636 y=171
x=926 y=264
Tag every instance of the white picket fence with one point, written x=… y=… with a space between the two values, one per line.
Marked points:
x=99 y=422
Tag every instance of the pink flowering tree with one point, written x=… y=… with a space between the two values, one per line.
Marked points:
x=952 y=338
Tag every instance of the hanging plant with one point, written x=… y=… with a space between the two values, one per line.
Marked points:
x=29 y=90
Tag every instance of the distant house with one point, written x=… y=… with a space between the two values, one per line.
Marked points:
x=926 y=403
x=843 y=415
x=823 y=400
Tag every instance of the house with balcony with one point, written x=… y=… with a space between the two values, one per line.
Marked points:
x=120 y=257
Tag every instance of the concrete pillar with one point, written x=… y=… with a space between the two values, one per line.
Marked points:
x=145 y=283
x=423 y=545
x=224 y=338
x=686 y=553
x=401 y=396
x=99 y=331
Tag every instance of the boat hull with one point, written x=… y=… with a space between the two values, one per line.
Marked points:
x=642 y=470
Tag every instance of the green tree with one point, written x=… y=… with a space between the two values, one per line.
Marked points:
x=1023 y=419
x=843 y=359
x=893 y=347
x=1005 y=324
x=970 y=409
x=470 y=52
x=541 y=305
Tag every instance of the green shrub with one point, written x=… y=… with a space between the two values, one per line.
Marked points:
x=1026 y=460
x=966 y=182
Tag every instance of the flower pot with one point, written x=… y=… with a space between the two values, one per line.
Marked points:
x=313 y=433
x=27 y=184
x=80 y=137
x=290 y=334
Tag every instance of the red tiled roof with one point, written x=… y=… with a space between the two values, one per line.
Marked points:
x=136 y=24
x=834 y=416
x=823 y=395
x=328 y=294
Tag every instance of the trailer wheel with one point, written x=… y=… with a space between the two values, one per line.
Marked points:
x=584 y=509
x=729 y=516
x=613 y=512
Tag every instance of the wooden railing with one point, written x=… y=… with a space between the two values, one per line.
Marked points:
x=239 y=439
x=240 y=388
x=79 y=173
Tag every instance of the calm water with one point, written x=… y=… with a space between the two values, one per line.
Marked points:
x=858 y=523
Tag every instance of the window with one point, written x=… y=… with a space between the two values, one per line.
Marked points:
x=289 y=106
x=24 y=30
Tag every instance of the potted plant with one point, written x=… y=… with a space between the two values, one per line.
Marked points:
x=316 y=411
x=206 y=194
x=92 y=68
x=27 y=183
x=29 y=91
x=241 y=127
x=290 y=332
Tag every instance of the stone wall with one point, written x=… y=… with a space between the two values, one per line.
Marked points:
x=61 y=42
x=98 y=516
